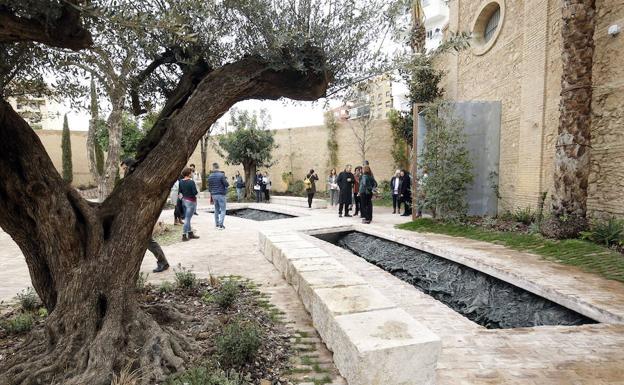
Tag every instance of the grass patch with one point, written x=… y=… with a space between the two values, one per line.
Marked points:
x=586 y=255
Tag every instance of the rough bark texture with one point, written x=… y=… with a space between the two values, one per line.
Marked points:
x=84 y=258
x=572 y=151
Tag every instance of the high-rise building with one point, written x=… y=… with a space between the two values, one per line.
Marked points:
x=372 y=98
x=436 y=20
x=39 y=111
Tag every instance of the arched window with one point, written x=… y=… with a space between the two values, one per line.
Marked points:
x=492 y=25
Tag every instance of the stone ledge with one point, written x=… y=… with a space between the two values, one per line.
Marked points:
x=298 y=201
x=374 y=342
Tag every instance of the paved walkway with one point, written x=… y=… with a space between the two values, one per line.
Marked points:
x=590 y=354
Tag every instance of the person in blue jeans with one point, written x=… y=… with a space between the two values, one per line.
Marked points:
x=218 y=185
x=188 y=189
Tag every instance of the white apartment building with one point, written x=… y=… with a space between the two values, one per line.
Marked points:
x=41 y=113
x=436 y=19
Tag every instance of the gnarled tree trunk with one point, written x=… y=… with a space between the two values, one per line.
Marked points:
x=84 y=257
x=572 y=151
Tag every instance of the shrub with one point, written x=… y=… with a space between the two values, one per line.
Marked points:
x=28 y=299
x=141 y=281
x=204 y=375
x=43 y=312
x=19 y=324
x=609 y=232
x=165 y=287
x=185 y=278
x=297 y=187
x=227 y=294
x=231 y=194
x=525 y=215
x=238 y=343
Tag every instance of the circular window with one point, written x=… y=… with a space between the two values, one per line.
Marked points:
x=487 y=26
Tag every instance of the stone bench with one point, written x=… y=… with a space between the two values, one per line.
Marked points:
x=374 y=342
x=298 y=201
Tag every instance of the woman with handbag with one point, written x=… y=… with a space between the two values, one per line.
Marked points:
x=367 y=186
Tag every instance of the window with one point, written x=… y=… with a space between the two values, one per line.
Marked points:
x=429 y=34
x=487 y=25
x=387 y=93
x=388 y=103
x=491 y=26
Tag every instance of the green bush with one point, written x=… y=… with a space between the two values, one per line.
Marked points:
x=297 y=187
x=165 y=287
x=231 y=194
x=185 y=278
x=204 y=375
x=238 y=343
x=28 y=299
x=525 y=215
x=141 y=281
x=19 y=324
x=609 y=232
x=226 y=296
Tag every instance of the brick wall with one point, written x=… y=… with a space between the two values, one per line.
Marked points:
x=523 y=71
x=307 y=148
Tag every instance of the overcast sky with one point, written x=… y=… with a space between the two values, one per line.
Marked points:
x=284 y=114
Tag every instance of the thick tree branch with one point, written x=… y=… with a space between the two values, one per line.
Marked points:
x=168 y=56
x=65 y=32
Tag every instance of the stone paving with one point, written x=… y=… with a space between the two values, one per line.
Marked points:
x=471 y=354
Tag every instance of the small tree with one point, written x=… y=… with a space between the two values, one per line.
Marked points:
x=401 y=124
x=332 y=141
x=131 y=135
x=446 y=161
x=249 y=144
x=68 y=174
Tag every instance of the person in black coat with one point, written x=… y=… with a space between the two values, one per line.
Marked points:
x=345 y=182
x=258 y=187
x=406 y=192
x=395 y=189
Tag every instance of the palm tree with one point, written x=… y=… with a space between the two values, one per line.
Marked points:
x=572 y=150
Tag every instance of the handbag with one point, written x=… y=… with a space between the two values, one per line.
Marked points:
x=256 y=187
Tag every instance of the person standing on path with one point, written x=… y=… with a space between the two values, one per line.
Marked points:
x=367 y=185
x=310 y=185
x=239 y=183
x=406 y=193
x=218 y=185
x=332 y=187
x=161 y=261
x=266 y=184
x=188 y=189
x=345 y=183
x=258 y=186
x=395 y=188
x=356 y=190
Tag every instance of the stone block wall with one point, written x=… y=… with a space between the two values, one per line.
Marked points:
x=305 y=148
x=523 y=71
x=51 y=140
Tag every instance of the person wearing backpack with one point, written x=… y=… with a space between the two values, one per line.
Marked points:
x=367 y=186
x=310 y=186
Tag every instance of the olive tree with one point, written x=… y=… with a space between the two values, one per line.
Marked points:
x=203 y=57
x=250 y=144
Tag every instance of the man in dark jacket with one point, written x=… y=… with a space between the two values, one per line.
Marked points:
x=218 y=185
x=161 y=261
x=345 y=182
x=406 y=193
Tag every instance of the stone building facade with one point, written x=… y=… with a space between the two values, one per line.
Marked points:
x=304 y=148
x=520 y=65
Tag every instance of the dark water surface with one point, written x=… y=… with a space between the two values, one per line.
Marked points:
x=257 y=215
x=477 y=296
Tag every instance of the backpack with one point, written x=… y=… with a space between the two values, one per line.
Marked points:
x=307 y=183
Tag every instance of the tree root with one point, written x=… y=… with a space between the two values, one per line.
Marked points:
x=141 y=343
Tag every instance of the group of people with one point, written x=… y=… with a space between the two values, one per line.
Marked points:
x=262 y=186
x=352 y=187
x=401 y=188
